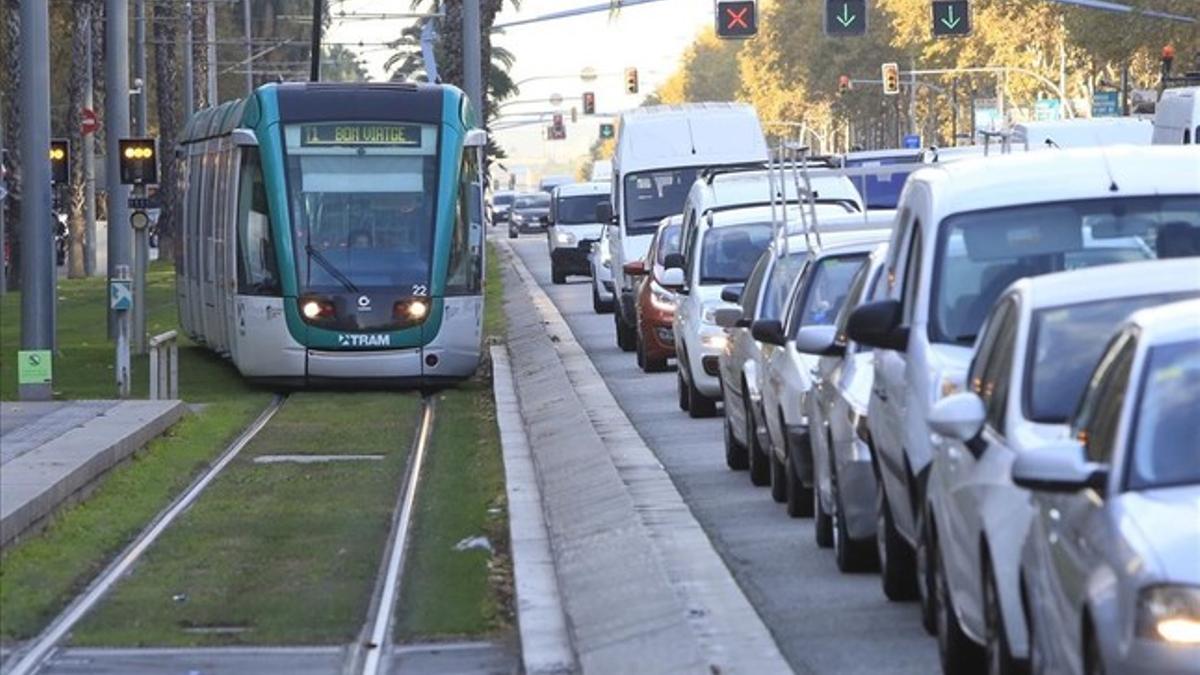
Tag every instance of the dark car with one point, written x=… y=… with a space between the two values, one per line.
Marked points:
x=529 y=215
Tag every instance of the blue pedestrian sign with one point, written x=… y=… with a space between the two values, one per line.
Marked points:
x=912 y=141
x=120 y=294
x=1106 y=104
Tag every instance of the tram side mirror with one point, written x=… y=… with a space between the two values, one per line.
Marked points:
x=475 y=138
x=244 y=138
x=604 y=213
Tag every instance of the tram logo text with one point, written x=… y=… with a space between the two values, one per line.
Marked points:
x=378 y=340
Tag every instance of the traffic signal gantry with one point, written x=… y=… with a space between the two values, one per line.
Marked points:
x=737 y=19
x=891 y=78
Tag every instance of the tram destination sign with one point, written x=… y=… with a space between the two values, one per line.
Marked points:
x=359 y=133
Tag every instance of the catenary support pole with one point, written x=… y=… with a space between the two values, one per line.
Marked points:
x=211 y=53
x=116 y=124
x=189 y=53
x=141 y=246
x=473 y=55
x=3 y=206
x=37 y=236
x=89 y=161
x=314 y=69
x=247 y=29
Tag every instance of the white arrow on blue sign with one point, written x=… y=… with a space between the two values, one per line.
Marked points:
x=120 y=294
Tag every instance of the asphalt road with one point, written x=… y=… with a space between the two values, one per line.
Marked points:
x=823 y=621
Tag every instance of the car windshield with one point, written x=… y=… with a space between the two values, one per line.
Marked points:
x=779 y=283
x=826 y=289
x=730 y=252
x=668 y=243
x=653 y=195
x=980 y=253
x=362 y=199
x=1165 y=450
x=502 y=200
x=578 y=210
x=537 y=201
x=881 y=191
x=1064 y=345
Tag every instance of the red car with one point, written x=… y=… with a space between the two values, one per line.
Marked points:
x=654 y=304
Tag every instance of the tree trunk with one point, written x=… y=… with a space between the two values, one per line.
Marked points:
x=166 y=71
x=99 y=59
x=450 y=46
x=200 y=55
x=81 y=28
x=10 y=84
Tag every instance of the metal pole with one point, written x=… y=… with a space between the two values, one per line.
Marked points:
x=189 y=50
x=954 y=114
x=37 y=236
x=314 y=71
x=249 y=33
x=116 y=113
x=1125 y=88
x=211 y=22
x=473 y=55
x=912 y=100
x=3 y=208
x=89 y=165
x=141 y=246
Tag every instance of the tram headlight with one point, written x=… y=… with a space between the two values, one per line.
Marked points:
x=313 y=309
x=414 y=310
x=417 y=309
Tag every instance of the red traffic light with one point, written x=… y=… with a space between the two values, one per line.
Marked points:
x=589 y=103
x=843 y=83
x=1168 y=53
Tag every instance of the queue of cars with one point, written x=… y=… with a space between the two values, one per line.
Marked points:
x=979 y=374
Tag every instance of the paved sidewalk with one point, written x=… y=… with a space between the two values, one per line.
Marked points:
x=49 y=451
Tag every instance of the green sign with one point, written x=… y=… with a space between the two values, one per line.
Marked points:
x=607 y=130
x=951 y=18
x=845 y=18
x=33 y=367
x=354 y=133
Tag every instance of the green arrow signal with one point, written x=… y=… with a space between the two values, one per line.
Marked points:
x=949 y=20
x=846 y=18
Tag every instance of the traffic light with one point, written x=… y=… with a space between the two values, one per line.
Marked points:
x=60 y=161
x=574 y=114
x=737 y=19
x=951 y=18
x=607 y=130
x=843 y=84
x=631 y=81
x=589 y=103
x=139 y=161
x=891 y=79
x=845 y=18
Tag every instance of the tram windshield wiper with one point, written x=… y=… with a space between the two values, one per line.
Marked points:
x=314 y=254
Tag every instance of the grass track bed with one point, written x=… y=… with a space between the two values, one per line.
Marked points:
x=274 y=554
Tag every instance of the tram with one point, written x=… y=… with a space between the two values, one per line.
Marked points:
x=333 y=233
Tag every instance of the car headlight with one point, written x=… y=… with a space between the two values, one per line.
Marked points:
x=661 y=298
x=518 y=218
x=714 y=340
x=565 y=238
x=1169 y=614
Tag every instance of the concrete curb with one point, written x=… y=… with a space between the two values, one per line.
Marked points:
x=726 y=629
x=35 y=484
x=545 y=642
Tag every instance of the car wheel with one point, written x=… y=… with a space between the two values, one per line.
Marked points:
x=778 y=480
x=626 y=335
x=896 y=561
x=598 y=305
x=700 y=405
x=512 y=234
x=852 y=555
x=957 y=652
x=823 y=522
x=557 y=275
x=799 y=498
x=760 y=471
x=735 y=453
x=925 y=583
x=639 y=351
x=1000 y=660
x=682 y=390
x=1093 y=662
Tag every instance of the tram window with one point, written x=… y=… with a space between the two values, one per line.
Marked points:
x=257 y=271
x=464 y=275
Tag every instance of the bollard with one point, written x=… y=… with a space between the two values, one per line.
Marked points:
x=164 y=376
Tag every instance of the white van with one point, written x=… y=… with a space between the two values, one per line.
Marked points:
x=1080 y=133
x=660 y=152
x=573 y=228
x=1177 y=117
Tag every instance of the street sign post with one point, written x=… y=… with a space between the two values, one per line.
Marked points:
x=1106 y=104
x=737 y=19
x=845 y=18
x=951 y=18
x=88 y=123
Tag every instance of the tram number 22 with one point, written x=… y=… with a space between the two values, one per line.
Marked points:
x=420 y=289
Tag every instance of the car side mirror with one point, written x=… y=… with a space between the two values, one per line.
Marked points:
x=727 y=317
x=635 y=268
x=958 y=416
x=1059 y=467
x=732 y=293
x=604 y=213
x=673 y=261
x=769 y=331
x=672 y=278
x=819 y=340
x=877 y=324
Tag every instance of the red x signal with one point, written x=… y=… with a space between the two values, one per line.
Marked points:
x=737 y=18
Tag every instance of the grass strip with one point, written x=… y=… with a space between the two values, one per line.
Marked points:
x=273 y=554
x=41 y=574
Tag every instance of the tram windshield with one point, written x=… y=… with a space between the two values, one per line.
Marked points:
x=362 y=199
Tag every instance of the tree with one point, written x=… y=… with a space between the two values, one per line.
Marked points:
x=166 y=76
x=10 y=84
x=81 y=36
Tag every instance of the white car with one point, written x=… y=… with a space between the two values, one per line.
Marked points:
x=843 y=471
x=1032 y=360
x=965 y=232
x=600 y=261
x=785 y=377
x=1111 y=566
x=573 y=228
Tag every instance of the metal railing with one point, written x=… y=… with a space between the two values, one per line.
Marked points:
x=164 y=377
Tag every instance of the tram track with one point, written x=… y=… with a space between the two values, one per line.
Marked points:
x=39 y=651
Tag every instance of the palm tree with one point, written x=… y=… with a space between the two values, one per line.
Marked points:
x=166 y=73
x=81 y=31
x=10 y=84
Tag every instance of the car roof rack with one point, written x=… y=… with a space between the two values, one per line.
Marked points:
x=708 y=173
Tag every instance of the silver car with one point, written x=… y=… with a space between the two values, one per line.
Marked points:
x=1110 y=569
x=1038 y=345
x=600 y=261
x=837 y=409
